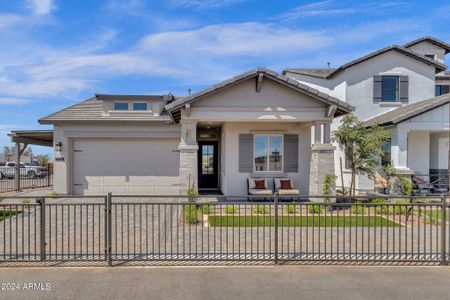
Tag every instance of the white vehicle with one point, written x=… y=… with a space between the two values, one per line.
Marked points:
x=26 y=170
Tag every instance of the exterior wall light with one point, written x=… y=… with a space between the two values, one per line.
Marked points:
x=58 y=146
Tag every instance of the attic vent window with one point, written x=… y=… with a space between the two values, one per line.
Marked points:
x=432 y=56
x=120 y=106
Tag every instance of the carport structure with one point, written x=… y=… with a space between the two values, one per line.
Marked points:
x=22 y=139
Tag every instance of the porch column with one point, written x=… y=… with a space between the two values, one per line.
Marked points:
x=188 y=148
x=399 y=153
x=17 y=167
x=322 y=159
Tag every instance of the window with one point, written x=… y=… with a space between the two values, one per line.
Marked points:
x=268 y=155
x=120 y=106
x=139 y=106
x=386 y=148
x=208 y=160
x=389 y=88
x=441 y=90
x=432 y=56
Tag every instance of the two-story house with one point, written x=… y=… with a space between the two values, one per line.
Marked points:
x=404 y=88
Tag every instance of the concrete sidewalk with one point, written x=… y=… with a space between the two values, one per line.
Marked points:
x=249 y=282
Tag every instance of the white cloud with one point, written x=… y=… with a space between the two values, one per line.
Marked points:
x=202 y=4
x=40 y=7
x=338 y=8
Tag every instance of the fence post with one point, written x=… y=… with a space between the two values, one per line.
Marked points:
x=443 y=231
x=42 y=221
x=109 y=228
x=275 y=201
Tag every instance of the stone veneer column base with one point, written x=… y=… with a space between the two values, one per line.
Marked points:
x=322 y=163
x=188 y=167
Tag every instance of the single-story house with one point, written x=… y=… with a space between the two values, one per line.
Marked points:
x=259 y=124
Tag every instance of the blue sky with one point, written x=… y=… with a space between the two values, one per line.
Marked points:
x=55 y=53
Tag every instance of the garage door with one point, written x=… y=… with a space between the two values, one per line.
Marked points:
x=125 y=166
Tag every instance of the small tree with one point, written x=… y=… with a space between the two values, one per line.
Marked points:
x=361 y=145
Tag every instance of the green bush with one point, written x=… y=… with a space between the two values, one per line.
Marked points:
x=290 y=209
x=379 y=209
x=328 y=184
x=357 y=209
x=261 y=209
x=206 y=209
x=315 y=209
x=406 y=186
x=231 y=209
x=396 y=210
x=190 y=213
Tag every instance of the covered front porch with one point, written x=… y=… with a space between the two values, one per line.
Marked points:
x=420 y=146
x=256 y=125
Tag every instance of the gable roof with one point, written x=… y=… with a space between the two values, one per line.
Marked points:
x=92 y=110
x=409 y=111
x=312 y=72
x=400 y=49
x=342 y=107
x=431 y=40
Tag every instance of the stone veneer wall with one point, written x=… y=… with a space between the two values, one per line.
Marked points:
x=188 y=167
x=322 y=163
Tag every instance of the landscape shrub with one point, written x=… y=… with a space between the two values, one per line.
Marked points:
x=191 y=214
x=261 y=209
x=315 y=209
x=290 y=209
x=231 y=209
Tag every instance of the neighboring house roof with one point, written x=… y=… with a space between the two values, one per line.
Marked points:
x=313 y=72
x=443 y=75
x=406 y=112
x=92 y=110
x=431 y=40
x=400 y=49
x=174 y=107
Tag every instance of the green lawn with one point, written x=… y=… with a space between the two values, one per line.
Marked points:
x=434 y=214
x=301 y=221
x=6 y=214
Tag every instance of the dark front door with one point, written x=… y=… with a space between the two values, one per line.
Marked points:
x=208 y=165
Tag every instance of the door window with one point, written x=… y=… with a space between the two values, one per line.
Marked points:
x=207 y=159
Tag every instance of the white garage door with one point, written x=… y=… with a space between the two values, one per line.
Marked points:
x=126 y=167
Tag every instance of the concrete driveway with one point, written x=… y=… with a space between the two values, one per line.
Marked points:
x=258 y=282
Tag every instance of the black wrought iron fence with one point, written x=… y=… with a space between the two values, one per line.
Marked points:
x=116 y=229
x=30 y=178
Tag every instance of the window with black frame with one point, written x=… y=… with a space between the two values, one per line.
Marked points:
x=441 y=89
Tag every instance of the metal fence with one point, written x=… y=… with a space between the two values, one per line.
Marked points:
x=28 y=180
x=118 y=229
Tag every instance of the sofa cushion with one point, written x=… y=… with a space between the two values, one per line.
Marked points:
x=277 y=182
x=260 y=184
x=285 y=184
x=260 y=192
x=289 y=192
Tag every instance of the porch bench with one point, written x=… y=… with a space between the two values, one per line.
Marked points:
x=253 y=190
x=285 y=193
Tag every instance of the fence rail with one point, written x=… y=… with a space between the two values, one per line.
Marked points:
x=116 y=229
x=28 y=180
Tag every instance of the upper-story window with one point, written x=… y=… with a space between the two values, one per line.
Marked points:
x=140 y=106
x=130 y=106
x=121 y=106
x=441 y=90
x=432 y=56
x=389 y=88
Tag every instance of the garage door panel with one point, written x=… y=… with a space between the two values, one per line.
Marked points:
x=126 y=167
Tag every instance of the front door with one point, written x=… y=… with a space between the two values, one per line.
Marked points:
x=208 y=166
